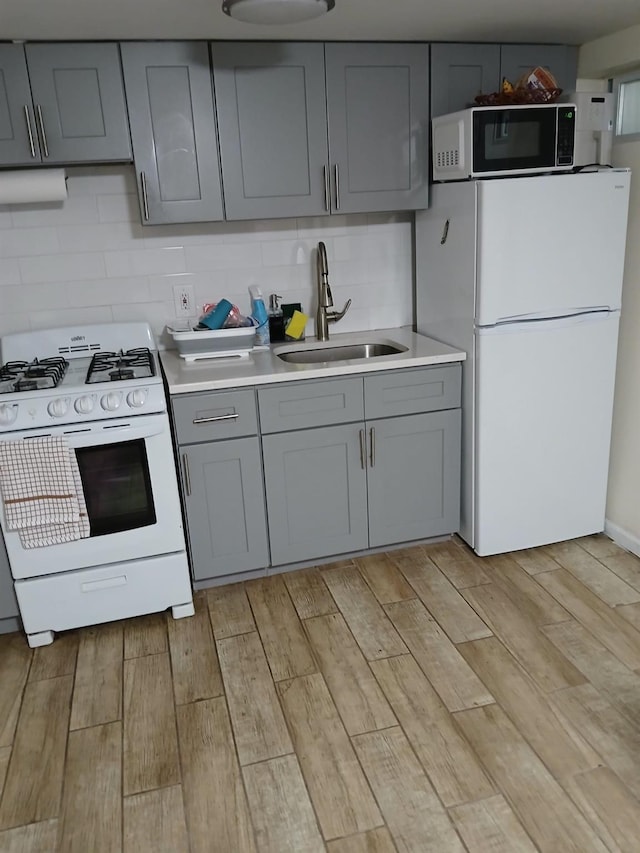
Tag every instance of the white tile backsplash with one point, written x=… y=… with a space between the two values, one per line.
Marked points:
x=89 y=259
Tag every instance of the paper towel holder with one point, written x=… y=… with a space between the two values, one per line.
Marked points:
x=32 y=186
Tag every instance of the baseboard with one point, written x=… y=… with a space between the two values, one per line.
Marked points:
x=622 y=537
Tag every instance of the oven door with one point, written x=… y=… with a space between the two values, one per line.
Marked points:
x=131 y=491
x=515 y=141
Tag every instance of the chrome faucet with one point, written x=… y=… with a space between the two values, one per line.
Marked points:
x=325 y=298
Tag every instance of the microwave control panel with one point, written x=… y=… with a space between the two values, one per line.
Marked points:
x=566 y=136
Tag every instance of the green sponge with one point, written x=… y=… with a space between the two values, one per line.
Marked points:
x=296 y=326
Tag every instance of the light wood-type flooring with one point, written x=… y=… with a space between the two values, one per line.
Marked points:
x=416 y=701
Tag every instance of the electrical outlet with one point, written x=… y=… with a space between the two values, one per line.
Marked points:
x=184 y=300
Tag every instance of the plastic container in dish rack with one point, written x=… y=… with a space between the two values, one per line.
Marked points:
x=193 y=344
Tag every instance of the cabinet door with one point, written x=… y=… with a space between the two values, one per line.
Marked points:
x=270 y=101
x=561 y=60
x=316 y=493
x=79 y=102
x=224 y=501
x=413 y=477
x=378 y=111
x=173 y=130
x=8 y=603
x=18 y=139
x=459 y=72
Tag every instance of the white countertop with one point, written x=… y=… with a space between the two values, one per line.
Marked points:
x=263 y=367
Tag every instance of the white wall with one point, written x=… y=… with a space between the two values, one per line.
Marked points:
x=623 y=503
x=610 y=55
x=88 y=259
x=603 y=58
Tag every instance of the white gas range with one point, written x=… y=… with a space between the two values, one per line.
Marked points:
x=98 y=388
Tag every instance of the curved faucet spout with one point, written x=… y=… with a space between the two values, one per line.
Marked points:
x=325 y=297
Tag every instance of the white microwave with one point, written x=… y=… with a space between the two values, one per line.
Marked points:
x=489 y=142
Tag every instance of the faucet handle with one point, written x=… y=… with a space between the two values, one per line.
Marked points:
x=338 y=315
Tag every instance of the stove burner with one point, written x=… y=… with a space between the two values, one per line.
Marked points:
x=121 y=366
x=32 y=375
x=122 y=373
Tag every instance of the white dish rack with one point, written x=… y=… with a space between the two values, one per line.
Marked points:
x=193 y=344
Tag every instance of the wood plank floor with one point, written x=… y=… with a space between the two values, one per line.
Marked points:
x=421 y=700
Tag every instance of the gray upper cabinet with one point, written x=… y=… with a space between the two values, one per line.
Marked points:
x=459 y=72
x=270 y=101
x=173 y=130
x=378 y=112
x=18 y=141
x=561 y=60
x=311 y=129
x=62 y=103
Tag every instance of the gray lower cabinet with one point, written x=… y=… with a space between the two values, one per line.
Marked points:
x=372 y=482
x=459 y=72
x=378 y=114
x=62 y=103
x=413 y=477
x=221 y=480
x=8 y=604
x=316 y=486
x=173 y=131
x=347 y=464
x=224 y=503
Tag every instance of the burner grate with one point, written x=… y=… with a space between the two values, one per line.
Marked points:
x=32 y=375
x=121 y=366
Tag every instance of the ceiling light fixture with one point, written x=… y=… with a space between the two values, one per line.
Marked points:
x=276 y=11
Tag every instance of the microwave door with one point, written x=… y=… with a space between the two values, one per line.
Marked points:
x=510 y=140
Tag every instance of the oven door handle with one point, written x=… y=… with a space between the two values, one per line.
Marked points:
x=109 y=435
x=91 y=436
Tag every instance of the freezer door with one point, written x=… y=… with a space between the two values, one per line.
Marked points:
x=544 y=399
x=550 y=245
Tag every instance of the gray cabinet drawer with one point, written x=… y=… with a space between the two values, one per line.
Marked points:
x=310 y=404
x=214 y=415
x=408 y=392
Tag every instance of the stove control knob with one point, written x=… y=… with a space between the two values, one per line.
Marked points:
x=58 y=408
x=8 y=413
x=110 y=402
x=83 y=405
x=137 y=398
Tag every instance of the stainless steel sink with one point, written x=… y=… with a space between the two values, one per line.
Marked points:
x=342 y=352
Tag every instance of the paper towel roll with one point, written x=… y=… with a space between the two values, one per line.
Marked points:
x=27 y=186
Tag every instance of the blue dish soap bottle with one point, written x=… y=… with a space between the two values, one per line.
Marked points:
x=259 y=314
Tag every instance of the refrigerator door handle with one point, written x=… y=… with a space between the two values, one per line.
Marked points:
x=540 y=324
x=542 y=315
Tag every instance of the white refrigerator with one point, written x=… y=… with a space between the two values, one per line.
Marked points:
x=525 y=274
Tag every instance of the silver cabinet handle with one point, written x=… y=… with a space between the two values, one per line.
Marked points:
x=325 y=174
x=363 y=451
x=29 y=131
x=43 y=135
x=145 y=200
x=187 y=477
x=336 y=176
x=372 y=452
x=217 y=418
